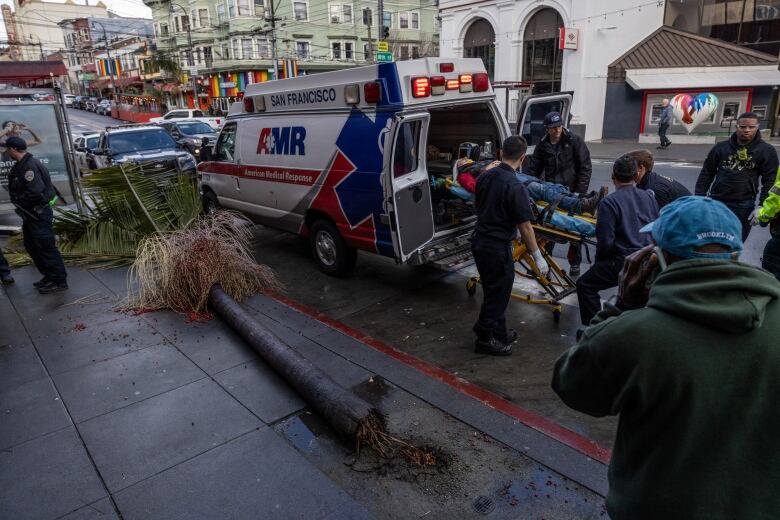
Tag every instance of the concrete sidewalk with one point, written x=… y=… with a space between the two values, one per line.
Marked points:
x=110 y=415
x=677 y=153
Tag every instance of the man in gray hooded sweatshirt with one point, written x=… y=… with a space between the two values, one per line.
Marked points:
x=693 y=371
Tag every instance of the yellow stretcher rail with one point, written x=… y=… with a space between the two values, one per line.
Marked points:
x=557 y=284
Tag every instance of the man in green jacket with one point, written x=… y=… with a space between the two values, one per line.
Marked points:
x=769 y=214
x=692 y=366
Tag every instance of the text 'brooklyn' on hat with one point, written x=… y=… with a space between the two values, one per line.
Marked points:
x=553 y=119
x=17 y=143
x=691 y=222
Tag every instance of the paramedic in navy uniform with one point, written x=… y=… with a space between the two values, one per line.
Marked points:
x=503 y=208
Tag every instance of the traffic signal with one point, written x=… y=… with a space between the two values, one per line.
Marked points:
x=385 y=32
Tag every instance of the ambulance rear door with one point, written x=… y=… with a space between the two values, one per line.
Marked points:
x=407 y=189
x=530 y=119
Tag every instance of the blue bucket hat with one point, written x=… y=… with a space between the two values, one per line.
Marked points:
x=691 y=222
x=553 y=119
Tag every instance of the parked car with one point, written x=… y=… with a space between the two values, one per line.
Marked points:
x=103 y=107
x=144 y=144
x=189 y=134
x=69 y=100
x=90 y=106
x=84 y=145
x=183 y=113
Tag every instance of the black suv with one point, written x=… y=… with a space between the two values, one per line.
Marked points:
x=149 y=145
x=190 y=135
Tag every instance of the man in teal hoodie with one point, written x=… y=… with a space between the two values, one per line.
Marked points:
x=692 y=366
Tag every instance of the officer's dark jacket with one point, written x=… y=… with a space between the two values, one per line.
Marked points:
x=664 y=188
x=29 y=183
x=569 y=166
x=731 y=172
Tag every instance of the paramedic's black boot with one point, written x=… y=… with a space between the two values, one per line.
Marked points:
x=511 y=337
x=43 y=281
x=6 y=279
x=492 y=347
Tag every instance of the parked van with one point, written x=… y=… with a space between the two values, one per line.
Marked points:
x=359 y=159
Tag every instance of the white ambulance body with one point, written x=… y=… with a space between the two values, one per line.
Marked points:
x=341 y=157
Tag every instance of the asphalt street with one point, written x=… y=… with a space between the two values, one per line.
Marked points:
x=83 y=122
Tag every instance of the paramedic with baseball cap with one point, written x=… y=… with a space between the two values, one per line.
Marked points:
x=691 y=365
x=562 y=158
x=33 y=195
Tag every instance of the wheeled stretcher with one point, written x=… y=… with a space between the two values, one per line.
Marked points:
x=556 y=284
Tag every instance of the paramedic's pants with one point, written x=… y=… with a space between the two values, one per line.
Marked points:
x=771 y=258
x=603 y=274
x=497 y=274
x=742 y=209
x=41 y=245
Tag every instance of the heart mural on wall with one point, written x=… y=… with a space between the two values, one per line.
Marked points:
x=691 y=111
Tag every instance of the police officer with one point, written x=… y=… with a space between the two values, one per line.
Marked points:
x=664 y=189
x=563 y=158
x=32 y=193
x=769 y=214
x=503 y=207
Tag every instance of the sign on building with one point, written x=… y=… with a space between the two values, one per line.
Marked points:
x=569 y=38
x=384 y=57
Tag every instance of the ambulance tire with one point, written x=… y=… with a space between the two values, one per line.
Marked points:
x=332 y=254
x=210 y=203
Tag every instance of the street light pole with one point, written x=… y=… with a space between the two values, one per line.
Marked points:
x=190 y=59
x=108 y=55
x=273 y=41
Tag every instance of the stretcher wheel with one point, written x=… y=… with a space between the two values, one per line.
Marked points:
x=557 y=315
x=471 y=287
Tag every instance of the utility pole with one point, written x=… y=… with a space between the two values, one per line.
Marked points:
x=273 y=40
x=381 y=25
x=190 y=59
x=370 y=57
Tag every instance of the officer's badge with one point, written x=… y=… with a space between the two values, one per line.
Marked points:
x=29 y=175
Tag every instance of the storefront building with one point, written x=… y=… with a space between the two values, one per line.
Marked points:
x=578 y=45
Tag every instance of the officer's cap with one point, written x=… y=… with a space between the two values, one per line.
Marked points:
x=17 y=143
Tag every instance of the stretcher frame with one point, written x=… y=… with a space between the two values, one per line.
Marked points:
x=557 y=283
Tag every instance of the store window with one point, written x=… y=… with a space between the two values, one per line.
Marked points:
x=542 y=59
x=479 y=42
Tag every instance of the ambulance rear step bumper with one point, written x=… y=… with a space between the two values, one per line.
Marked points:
x=450 y=251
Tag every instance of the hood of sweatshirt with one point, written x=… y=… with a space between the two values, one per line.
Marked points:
x=721 y=294
x=750 y=146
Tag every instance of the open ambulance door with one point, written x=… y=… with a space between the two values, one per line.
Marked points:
x=407 y=189
x=530 y=118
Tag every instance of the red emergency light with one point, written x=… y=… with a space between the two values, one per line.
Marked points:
x=446 y=67
x=481 y=82
x=438 y=85
x=465 y=82
x=421 y=87
x=249 y=104
x=372 y=92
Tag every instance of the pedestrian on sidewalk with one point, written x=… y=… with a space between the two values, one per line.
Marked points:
x=733 y=169
x=503 y=208
x=664 y=122
x=5 y=271
x=769 y=214
x=621 y=215
x=33 y=194
x=689 y=363
x=562 y=158
x=664 y=189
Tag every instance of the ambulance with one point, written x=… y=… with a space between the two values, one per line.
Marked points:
x=360 y=159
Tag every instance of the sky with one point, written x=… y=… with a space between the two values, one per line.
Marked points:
x=132 y=8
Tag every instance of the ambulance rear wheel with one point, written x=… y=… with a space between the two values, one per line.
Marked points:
x=331 y=253
x=210 y=203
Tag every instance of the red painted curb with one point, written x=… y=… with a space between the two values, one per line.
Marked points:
x=530 y=419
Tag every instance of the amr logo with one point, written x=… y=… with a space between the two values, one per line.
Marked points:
x=287 y=140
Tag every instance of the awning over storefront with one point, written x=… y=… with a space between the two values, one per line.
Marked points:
x=702 y=77
x=14 y=71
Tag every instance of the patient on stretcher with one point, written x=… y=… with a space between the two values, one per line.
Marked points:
x=557 y=196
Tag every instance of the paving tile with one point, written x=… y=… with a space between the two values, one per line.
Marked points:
x=98 y=388
x=30 y=410
x=100 y=510
x=256 y=476
x=287 y=316
x=140 y=440
x=115 y=279
x=88 y=343
x=19 y=363
x=213 y=346
x=258 y=388
x=47 y=478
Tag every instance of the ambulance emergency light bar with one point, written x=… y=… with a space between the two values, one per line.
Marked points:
x=422 y=87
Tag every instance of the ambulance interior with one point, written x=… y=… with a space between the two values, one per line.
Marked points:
x=457 y=131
